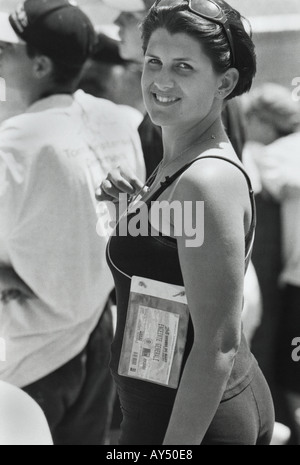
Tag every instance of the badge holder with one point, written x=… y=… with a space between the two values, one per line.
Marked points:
x=155 y=333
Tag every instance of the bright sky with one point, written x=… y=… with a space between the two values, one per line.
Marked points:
x=266 y=7
x=100 y=13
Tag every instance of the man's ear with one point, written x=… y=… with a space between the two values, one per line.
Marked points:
x=228 y=82
x=42 y=66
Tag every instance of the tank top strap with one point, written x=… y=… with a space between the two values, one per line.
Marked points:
x=170 y=179
x=251 y=233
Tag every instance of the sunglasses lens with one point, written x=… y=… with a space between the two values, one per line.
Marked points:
x=206 y=7
x=168 y=3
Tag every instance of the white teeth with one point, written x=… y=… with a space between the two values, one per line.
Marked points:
x=165 y=99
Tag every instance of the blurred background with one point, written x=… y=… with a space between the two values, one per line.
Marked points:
x=276 y=31
x=276 y=26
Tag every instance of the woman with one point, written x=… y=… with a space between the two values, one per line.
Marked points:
x=197 y=55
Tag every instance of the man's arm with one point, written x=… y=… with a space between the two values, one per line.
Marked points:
x=12 y=286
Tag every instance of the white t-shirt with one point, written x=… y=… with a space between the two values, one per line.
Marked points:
x=52 y=158
x=22 y=421
x=278 y=166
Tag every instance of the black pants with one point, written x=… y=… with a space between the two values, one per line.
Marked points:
x=247 y=419
x=78 y=398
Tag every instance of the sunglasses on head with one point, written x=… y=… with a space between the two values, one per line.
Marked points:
x=209 y=10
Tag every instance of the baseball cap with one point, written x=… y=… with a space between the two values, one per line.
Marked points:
x=7 y=34
x=58 y=28
x=129 y=5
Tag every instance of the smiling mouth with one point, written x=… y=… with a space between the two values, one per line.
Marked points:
x=165 y=100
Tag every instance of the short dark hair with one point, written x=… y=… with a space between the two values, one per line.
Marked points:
x=177 y=19
x=63 y=74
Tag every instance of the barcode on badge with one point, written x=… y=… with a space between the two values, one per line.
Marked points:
x=135 y=358
x=146 y=352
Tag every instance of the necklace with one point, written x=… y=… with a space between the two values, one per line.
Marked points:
x=212 y=137
x=160 y=166
x=134 y=197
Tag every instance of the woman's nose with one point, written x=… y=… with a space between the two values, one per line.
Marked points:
x=164 y=81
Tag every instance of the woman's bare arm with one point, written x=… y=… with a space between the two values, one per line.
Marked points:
x=213 y=276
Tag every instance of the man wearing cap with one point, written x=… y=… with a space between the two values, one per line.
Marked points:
x=128 y=15
x=54 y=281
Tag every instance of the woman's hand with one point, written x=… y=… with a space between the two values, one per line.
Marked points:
x=12 y=287
x=119 y=181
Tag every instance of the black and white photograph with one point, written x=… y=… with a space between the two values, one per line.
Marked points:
x=149 y=225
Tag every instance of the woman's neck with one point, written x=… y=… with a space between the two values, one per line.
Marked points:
x=178 y=140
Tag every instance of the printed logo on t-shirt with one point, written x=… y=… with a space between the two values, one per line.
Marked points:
x=20 y=18
x=8 y=165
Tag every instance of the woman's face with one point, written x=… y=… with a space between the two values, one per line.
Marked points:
x=179 y=82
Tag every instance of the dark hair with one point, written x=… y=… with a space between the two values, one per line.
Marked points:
x=177 y=19
x=106 y=50
x=63 y=74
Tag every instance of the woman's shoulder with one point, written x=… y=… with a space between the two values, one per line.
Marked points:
x=222 y=187
x=212 y=174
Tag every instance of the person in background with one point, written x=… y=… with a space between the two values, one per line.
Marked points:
x=22 y=421
x=197 y=54
x=272 y=159
x=107 y=75
x=54 y=280
x=129 y=16
x=252 y=311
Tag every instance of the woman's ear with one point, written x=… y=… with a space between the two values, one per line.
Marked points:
x=228 y=82
x=42 y=66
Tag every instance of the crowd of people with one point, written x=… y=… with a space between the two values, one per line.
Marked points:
x=191 y=133
x=271 y=157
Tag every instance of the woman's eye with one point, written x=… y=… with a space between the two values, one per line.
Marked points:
x=154 y=62
x=184 y=66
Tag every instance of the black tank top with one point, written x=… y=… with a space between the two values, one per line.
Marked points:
x=156 y=257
